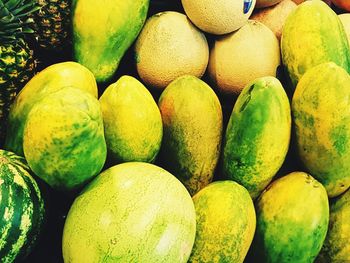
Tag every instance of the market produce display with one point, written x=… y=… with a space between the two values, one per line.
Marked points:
x=174 y=131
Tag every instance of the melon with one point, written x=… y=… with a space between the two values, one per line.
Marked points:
x=345 y=19
x=322 y=125
x=274 y=16
x=240 y=57
x=257 y=135
x=292 y=220
x=132 y=212
x=225 y=223
x=266 y=3
x=21 y=208
x=168 y=47
x=218 y=17
x=192 y=131
x=63 y=139
x=132 y=121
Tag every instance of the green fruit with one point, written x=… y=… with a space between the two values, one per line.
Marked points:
x=192 y=127
x=336 y=247
x=313 y=34
x=132 y=212
x=103 y=32
x=258 y=134
x=225 y=223
x=63 y=139
x=21 y=208
x=292 y=220
x=322 y=124
x=51 y=79
x=132 y=121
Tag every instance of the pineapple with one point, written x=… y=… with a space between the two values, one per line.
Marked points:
x=16 y=60
x=52 y=24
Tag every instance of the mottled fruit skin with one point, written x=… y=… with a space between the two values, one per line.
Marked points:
x=21 y=208
x=322 y=125
x=63 y=139
x=192 y=131
x=292 y=220
x=132 y=121
x=313 y=34
x=51 y=79
x=99 y=47
x=258 y=134
x=132 y=212
x=336 y=247
x=225 y=223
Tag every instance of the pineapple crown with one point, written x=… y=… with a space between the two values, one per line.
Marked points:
x=14 y=20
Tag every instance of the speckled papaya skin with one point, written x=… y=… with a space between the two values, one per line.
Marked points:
x=192 y=131
x=336 y=247
x=132 y=212
x=292 y=220
x=258 y=134
x=49 y=80
x=63 y=139
x=313 y=34
x=320 y=109
x=225 y=223
x=103 y=31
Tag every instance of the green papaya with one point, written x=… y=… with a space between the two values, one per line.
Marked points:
x=320 y=109
x=313 y=34
x=103 y=31
x=258 y=134
x=192 y=131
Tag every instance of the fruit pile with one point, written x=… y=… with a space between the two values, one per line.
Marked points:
x=174 y=131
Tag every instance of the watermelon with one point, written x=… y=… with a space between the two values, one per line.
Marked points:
x=313 y=34
x=336 y=247
x=225 y=223
x=21 y=208
x=192 y=131
x=322 y=125
x=51 y=79
x=292 y=220
x=132 y=212
x=258 y=134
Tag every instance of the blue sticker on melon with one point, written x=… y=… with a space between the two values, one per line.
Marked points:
x=247 y=5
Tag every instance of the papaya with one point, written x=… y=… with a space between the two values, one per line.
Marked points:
x=257 y=135
x=49 y=80
x=102 y=32
x=322 y=125
x=336 y=247
x=313 y=34
x=132 y=121
x=226 y=223
x=192 y=131
x=63 y=139
x=292 y=220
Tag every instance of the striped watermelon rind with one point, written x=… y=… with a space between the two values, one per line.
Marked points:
x=21 y=208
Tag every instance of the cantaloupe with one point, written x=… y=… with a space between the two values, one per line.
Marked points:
x=220 y=16
x=266 y=3
x=239 y=58
x=274 y=16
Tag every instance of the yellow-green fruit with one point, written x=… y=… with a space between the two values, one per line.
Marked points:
x=336 y=247
x=274 y=16
x=242 y=56
x=132 y=121
x=192 y=130
x=51 y=79
x=63 y=138
x=168 y=47
x=266 y=3
x=226 y=222
x=345 y=19
x=218 y=17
